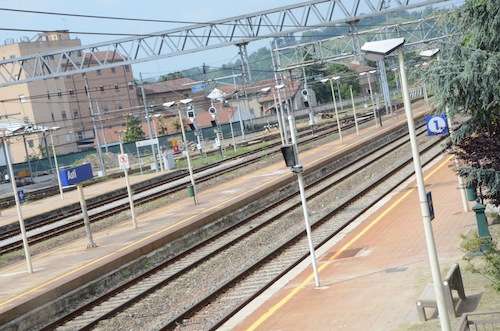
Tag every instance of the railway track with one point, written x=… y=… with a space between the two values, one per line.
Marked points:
x=72 y=220
x=205 y=285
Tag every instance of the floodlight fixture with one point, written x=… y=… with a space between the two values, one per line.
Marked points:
x=186 y=101
x=168 y=104
x=279 y=86
x=378 y=50
x=336 y=78
x=428 y=54
x=265 y=89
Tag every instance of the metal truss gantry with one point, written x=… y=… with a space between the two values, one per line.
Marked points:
x=336 y=49
x=198 y=37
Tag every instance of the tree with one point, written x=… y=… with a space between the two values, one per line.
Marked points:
x=134 y=131
x=466 y=82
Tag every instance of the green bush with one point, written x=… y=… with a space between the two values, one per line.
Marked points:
x=482 y=258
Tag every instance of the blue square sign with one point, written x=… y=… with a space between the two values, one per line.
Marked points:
x=436 y=125
x=76 y=175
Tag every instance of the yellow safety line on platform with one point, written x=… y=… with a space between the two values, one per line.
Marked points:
x=163 y=230
x=309 y=278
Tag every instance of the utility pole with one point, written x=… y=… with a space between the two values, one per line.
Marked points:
x=149 y=122
x=96 y=133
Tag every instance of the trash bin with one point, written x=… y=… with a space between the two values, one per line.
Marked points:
x=190 y=190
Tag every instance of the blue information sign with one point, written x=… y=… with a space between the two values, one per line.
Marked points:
x=436 y=125
x=22 y=197
x=431 y=206
x=76 y=175
x=197 y=88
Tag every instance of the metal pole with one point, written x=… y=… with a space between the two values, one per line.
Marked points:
x=300 y=180
x=280 y=125
x=336 y=110
x=187 y=155
x=242 y=128
x=102 y=127
x=354 y=111
x=47 y=151
x=157 y=142
x=28 y=158
x=373 y=103
x=86 y=220
x=96 y=133
x=149 y=122
x=57 y=166
x=340 y=96
x=18 y=206
x=129 y=189
x=429 y=235
x=232 y=131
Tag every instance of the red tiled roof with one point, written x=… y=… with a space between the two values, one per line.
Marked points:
x=168 y=86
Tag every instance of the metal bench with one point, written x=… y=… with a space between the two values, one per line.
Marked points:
x=452 y=281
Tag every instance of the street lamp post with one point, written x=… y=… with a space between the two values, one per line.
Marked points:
x=298 y=169
x=354 y=111
x=334 y=106
x=377 y=51
x=427 y=55
x=371 y=95
x=55 y=160
x=18 y=205
x=337 y=78
x=191 y=176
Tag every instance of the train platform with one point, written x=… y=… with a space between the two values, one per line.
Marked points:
x=373 y=273
x=371 y=276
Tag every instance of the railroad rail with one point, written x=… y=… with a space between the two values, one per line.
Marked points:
x=144 y=193
x=257 y=254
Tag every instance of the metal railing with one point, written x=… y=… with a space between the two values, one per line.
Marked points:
x=484 y=321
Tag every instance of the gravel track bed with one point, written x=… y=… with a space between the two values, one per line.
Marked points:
x=185 y=291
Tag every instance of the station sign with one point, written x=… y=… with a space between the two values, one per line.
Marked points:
x=436 y=125
x=75 y=175
x=123 y=161
x=147 y=142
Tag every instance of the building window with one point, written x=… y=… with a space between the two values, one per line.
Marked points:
x=71 y=92
x=75 y=113
x=53 y=119
x=105 y=110
x=127 y=68
x=130 y=85
x=59 y=93
x=22 y=99
x=31 y=143
x=79 y=135
x=63 y=114
x=120 y=106
x=98 y=72
x=68 y=76
x=117 y=88
x=101 y=88
x=113 y=70
x=48 y=95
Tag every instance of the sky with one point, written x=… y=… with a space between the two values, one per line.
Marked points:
x=185 y=11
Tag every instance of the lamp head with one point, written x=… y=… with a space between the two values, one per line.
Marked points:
x=428 y=54
x=168 y=104
x=186 y=101
x=378 y=50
